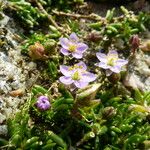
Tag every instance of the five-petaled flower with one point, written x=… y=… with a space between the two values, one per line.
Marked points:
x=72 y=46
x=110 y=62
x=43 y=103
x=76 y=75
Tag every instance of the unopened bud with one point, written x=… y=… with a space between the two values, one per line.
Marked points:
x=135 y=42
x=50 y=46
x=109 y=112
x=114 y=77
x=94 y=37
x=37 y=51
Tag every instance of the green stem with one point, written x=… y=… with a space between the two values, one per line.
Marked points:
x=50 y=18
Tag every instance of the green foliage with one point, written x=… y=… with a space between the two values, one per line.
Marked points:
x=144 y=18
x=25 y=132
x=46 y=40
x=114 y=1
x=88 y=119
x=122 y=27
x=29 y=15
x=52 y=70
x=109 y=123
x=20 y=133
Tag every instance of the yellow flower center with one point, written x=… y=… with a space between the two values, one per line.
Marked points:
x=72 y=48
x=111 y=61
x=76 y=76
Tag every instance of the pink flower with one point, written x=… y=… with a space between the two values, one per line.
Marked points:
x=76 y=75
x=72 y=46
x=43 y=103
x=110 y=62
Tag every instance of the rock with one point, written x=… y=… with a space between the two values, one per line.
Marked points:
x=119 y=43
x=138 y=76
x=4 y=21
x=18 y=92
x=145 y=46
x=3 y=130
x=2 y=118
x=14 y=73
x=133 y=81
x=8 y=112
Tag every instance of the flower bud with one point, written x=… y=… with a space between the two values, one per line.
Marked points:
x=109 y=112
x=43 y=103
x=135 y=42
x=50 y=46
x=94 y=37
x=37 y=51
x=114 y=77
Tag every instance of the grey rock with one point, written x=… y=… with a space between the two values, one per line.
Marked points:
x=3 y=130
x=138 y=76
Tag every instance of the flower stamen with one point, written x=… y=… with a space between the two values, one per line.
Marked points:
x=111 y=61
x=76 y=76
x=72 y=48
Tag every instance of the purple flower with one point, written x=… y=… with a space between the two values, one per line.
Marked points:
x=76 y=75
x=110 y=62
x=43 y=103
x=72 y=46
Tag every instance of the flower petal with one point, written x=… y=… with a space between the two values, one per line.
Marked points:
x=43 y=103
x=43 y=98
x=82 y=65
x=80 y=84
x=64 y=51
x=73 y=37
x=115 y=69
x=88 y=77
x=64 y=42
x=65 y=70
x=103 y=65
x=77 y=55
x=121 y=62
x=112 y=54
x=66 y=80
x=81 y=47
x=102 y=57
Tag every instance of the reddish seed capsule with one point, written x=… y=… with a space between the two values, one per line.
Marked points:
x=135 y=42
x=37 y=51
x=94 y=37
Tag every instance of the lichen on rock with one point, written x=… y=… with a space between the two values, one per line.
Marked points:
x=14 y=72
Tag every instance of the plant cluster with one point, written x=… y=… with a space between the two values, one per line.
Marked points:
x=33 y=13
x=68 y=112
x=81 y=123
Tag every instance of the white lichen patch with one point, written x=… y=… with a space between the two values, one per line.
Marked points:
x=15 y=73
